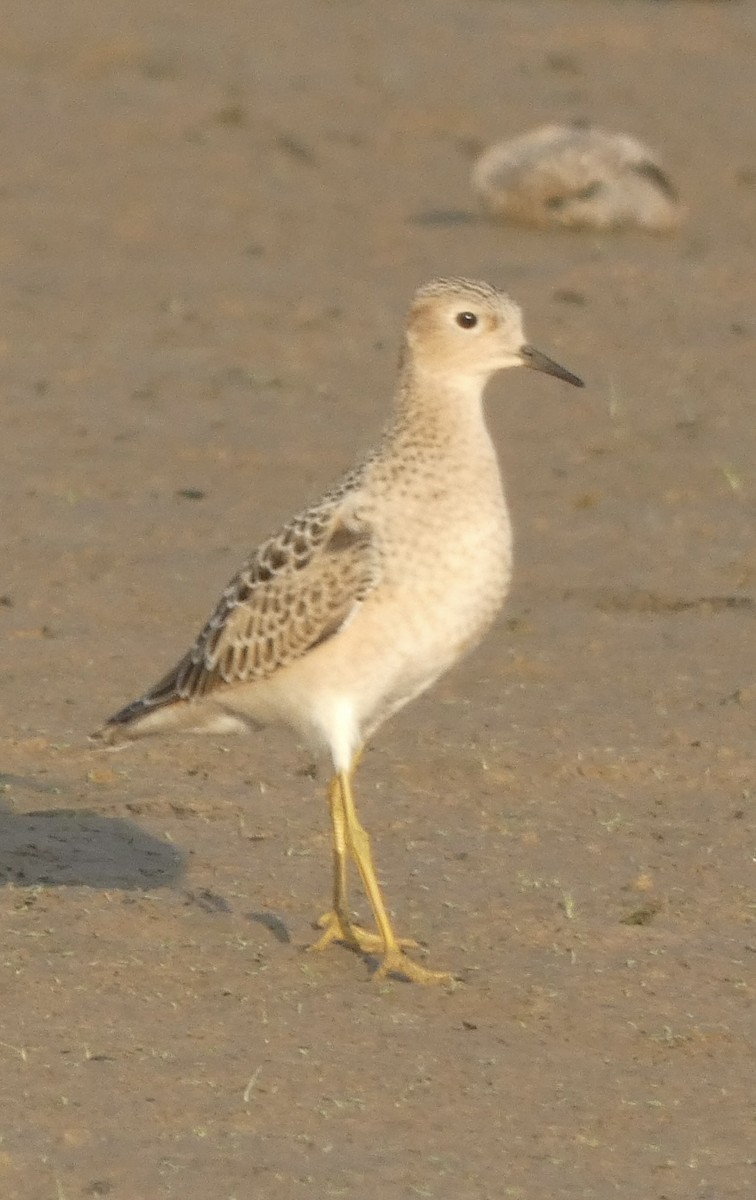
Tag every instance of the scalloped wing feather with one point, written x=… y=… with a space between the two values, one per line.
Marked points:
x=296 y=591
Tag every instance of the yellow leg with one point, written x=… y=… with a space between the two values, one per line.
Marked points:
x=340 y=904
x=337 y=924
x=394 y=961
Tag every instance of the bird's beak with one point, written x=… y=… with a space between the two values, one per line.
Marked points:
x=539 y=362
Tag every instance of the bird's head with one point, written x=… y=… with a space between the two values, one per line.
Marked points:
x=467 y=329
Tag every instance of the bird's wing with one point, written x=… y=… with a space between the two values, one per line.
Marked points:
x=649 y=170
x=296 y=591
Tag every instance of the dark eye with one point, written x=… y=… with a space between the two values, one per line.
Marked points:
x=467 y=320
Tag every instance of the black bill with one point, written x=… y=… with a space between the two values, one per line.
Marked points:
x=539 y=362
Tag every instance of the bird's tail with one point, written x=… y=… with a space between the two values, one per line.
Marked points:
x=140 y=719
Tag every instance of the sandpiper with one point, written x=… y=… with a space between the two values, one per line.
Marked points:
x=577 y=177
x=361 y=601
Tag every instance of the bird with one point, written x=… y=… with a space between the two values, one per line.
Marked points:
x=577 y=177
x=361 y=601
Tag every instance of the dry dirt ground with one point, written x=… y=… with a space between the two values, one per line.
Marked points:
x=213 y=217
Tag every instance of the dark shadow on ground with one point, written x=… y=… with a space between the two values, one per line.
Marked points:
x=273 y=923
x=65 y=847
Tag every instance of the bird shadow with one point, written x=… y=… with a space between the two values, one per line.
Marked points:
x=80 y=847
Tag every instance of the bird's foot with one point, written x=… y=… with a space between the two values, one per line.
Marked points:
x=339 y=929
x=394 y=963
x=399 y=966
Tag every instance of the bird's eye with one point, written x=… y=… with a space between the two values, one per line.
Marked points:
x=467 y=320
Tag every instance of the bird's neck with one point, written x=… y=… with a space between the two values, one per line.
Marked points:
x=438 y=408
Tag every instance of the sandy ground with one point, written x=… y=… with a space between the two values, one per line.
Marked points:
x=213 y=217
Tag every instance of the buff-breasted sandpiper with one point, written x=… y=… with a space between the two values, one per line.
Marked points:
x=577 y=177
x=361 y=601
